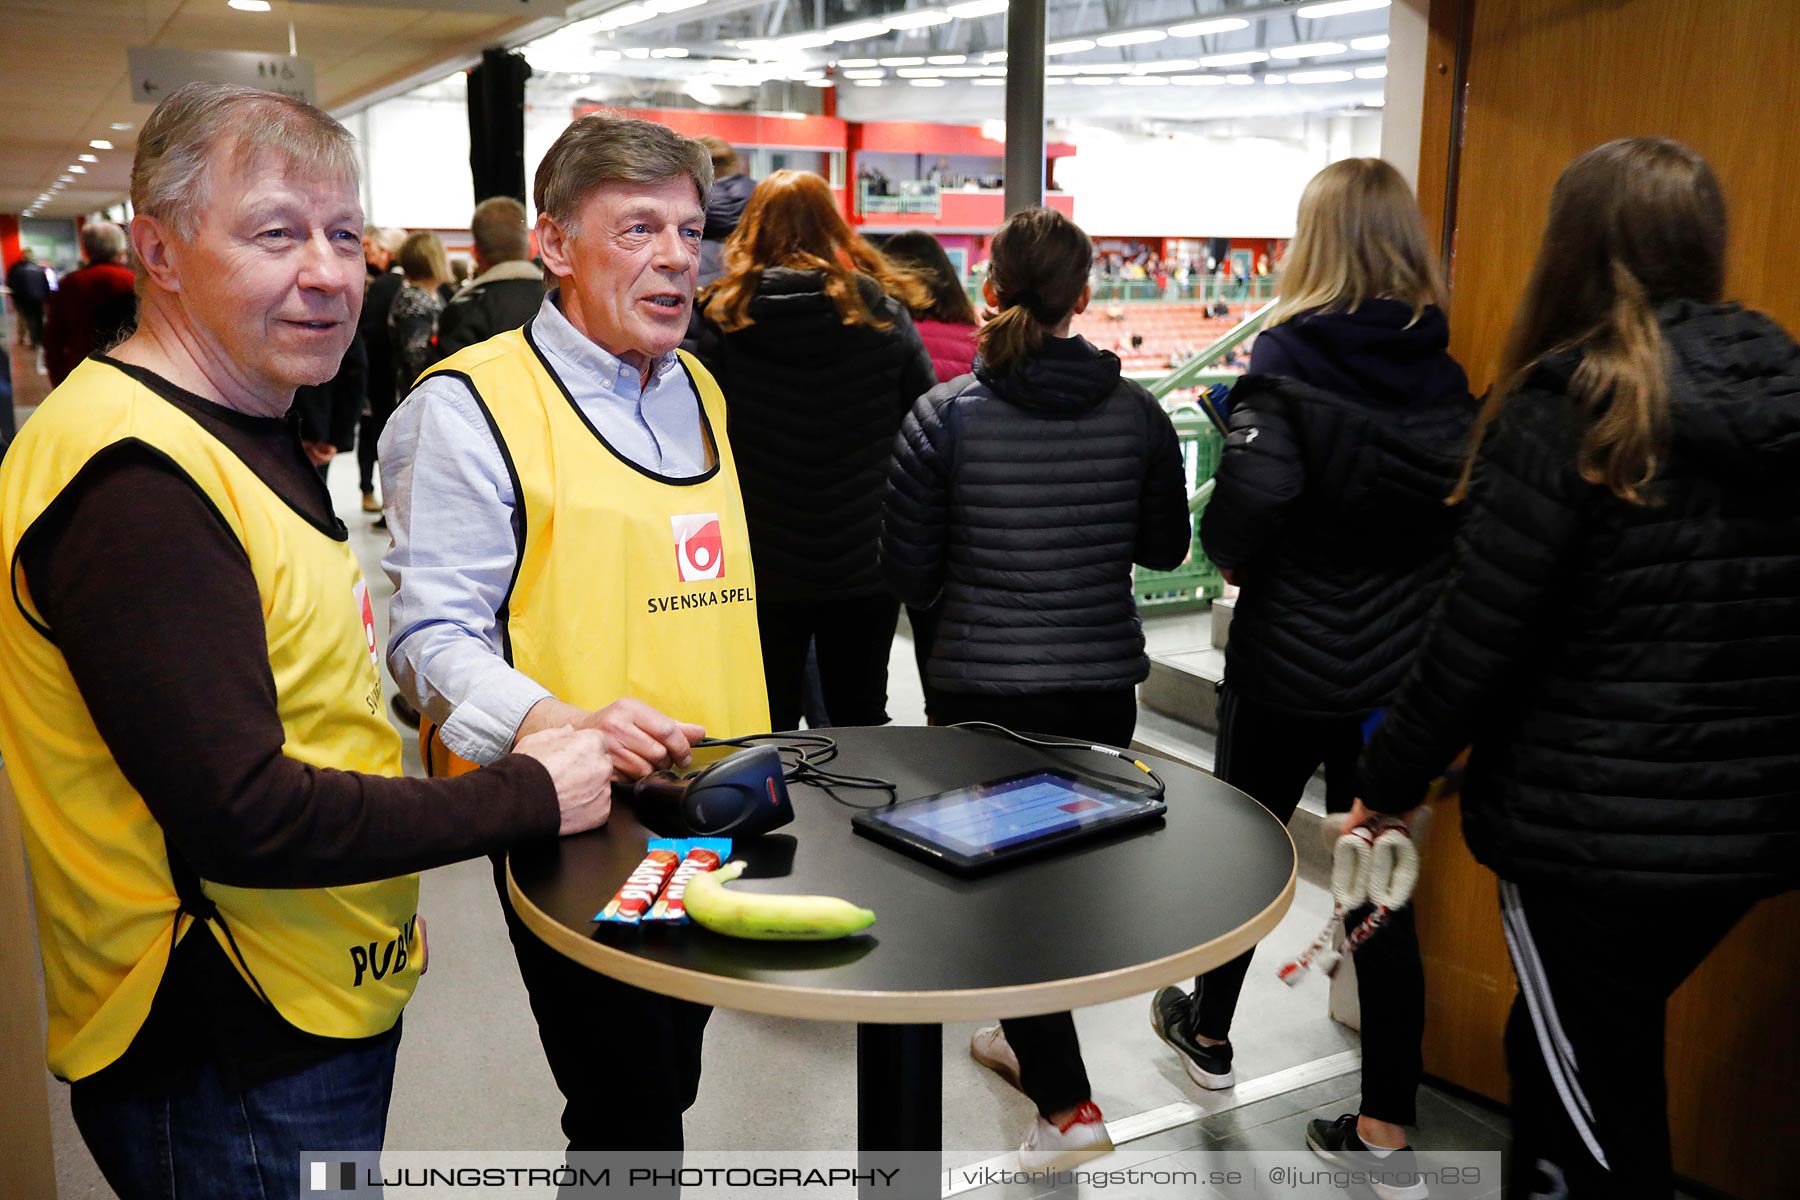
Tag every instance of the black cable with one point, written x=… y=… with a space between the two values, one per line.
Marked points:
x=811 y=751
x=1109 y=751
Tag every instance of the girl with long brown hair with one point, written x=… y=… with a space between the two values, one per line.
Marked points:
x=1619 y=642
x=809 y=336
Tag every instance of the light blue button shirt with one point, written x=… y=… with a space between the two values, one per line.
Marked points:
x=449 y=504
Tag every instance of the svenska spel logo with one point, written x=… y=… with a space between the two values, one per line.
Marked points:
x=699 y=547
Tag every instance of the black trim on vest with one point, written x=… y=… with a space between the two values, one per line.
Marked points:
x=502 y=615
x=103 y=458
x=671 y=480
x=175 y=395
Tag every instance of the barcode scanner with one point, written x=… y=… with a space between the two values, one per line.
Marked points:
x=742 y=796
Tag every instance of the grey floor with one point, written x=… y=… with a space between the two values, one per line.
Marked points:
x=471 y=1074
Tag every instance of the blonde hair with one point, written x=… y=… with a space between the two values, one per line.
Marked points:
x=170 y=171
x=792 y=220
x=1358 y=237
x=422 y=259
x=1633 y=223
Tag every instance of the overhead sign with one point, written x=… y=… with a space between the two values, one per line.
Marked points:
x=155 y=72
x=500 y=8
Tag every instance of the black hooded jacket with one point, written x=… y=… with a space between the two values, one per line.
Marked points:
x=1346 y=438
x=724 y=209
x=1022 y=500
x=814 y=404
x=1629 y=674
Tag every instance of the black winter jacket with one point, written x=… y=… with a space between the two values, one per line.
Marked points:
x=1629 y=674
x=1345 y=440
x=502 y=299
x=1022 y=500
x=814 y=404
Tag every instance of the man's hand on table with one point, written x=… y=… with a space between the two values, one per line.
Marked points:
x=639 y=738
x=580 y=769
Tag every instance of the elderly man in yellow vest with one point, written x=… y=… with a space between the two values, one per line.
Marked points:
x=568 y=531
x=222 y=853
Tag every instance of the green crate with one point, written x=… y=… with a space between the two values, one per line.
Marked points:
x=1196 y=582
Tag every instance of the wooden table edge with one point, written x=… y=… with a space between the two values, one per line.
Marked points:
x=899 y=1008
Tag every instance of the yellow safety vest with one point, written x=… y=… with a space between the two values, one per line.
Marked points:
x=627 y=583
x=338 y=962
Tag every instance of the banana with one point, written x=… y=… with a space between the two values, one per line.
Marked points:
x=769 y=918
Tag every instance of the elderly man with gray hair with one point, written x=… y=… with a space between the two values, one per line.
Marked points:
x=223 y=856
x=92 y=308
x=567 y=532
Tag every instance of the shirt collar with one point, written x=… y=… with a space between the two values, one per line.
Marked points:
x=562 y=341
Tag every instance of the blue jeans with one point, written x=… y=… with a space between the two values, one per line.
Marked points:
x=210 y=1135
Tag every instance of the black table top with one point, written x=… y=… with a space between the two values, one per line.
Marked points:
x=1105 y=920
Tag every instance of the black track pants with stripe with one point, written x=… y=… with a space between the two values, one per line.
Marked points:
x=1584 y=1043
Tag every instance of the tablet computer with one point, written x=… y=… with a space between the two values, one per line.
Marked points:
x=976 y=828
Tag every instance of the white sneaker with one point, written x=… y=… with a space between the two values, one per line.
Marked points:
x=1052 y=1148
x=989 y=1048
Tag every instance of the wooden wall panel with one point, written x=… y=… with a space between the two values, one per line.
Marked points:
x=1546 y=80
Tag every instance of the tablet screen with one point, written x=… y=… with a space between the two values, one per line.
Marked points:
x=990 y=817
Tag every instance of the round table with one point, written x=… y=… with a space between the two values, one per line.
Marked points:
x=1107 y=919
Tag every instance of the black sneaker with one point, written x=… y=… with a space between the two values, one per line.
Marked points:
x=1394 y=1175
x=404 y=712
x=1208 y=1066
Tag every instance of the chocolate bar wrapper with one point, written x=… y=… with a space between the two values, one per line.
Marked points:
x=640 y=889
x=698 y=854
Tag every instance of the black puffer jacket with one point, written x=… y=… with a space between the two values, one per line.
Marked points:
x=1346 y=438
x=1023 y=499
x=1629 y=674
x=814 y=405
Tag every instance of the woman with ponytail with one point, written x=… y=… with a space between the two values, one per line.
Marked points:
x=809 y=336
x=1018 y=500
x=1620 y=641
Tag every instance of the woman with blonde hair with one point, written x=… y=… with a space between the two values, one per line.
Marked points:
x=1329 y=510
x=809 y=336
x=1620 y=643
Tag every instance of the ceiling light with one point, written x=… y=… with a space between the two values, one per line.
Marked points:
x=77 y=169
x=1094 y=81
x=703 y=91
x=988 y=82
x=119 y=126
x=904 y=60
x=1202 y=28
x=65 y=180
x=947 y=60
x=1273 y=80
x=1378 y=42
x=804 y=41
x=1378 y=71
x=920 y=18
x=1239 y=80
x=671 y=6
x=1377 y=102
x=1055 y=82
x=856 y=62
x=994 y=56
x=926 y=82
x=820 y=83
x=1145 y=81
x=100 y=144
x=1056 y=69
x=919 y=73
x=1337 y=8
x=858 y=31
x=1238 y=59
x=868 y=83
x=804 y=74
x=994 y=72
x=1074 y=47
x=94 y=158
x=1167 y=66
x=865 y=73
x=977 y=8
x=1320 y=77
x=670 y=52
x=1105 y=69
x=1309 y=50
x=638 y=52
x=249 y=5
x=1135 y=37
